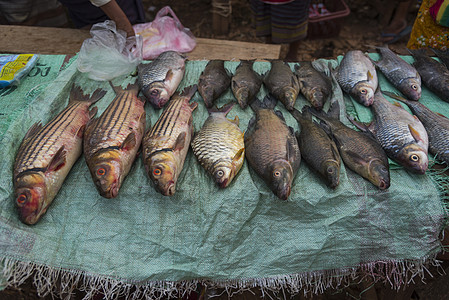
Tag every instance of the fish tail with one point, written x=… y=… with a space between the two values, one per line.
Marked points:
x=189 y=91
x=269 y=102
x=417 y=52
x=334 y=110
x=225 y=109
x=77 y=94
x=132 y=87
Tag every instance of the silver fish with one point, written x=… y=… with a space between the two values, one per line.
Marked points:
x=400 y=73
x=160 y=78
x=357 y=76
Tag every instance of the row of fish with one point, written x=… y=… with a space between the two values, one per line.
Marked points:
x=111 y=141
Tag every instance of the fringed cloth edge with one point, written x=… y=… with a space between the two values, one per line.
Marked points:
x=63 y=282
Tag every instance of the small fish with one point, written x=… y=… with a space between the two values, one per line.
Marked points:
x=271 y=147
x=437 y=127
x=400 y=73
x=314 y=85
x=47 y=153
x=434 y=75
x=166 y=144
x=111 y=141
x=357 y=76
x=401 y=135
x=282 y=83
x=219 y=146
x=360 y=151
x=317 y=148
x=213 y=82
x=160 y=78
x=245 y=83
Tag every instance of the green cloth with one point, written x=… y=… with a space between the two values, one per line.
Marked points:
x=241 y=236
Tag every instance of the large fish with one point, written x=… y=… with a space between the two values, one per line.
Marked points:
x=245 y=83
x=111 y=141
x=434 y=75
x=442 y=55
x=317 y=148
x=271 y=147
x=47 y=153
x=401 y=135
x=360 y=151
x=437 y=127
x=357 y=76
x=213 y=81
x=160 y=78
x=400 y=73
x=314 y=85
x=219 y=146
x=166 y=144
x=282 y=83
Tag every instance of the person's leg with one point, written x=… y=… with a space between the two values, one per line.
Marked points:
x=398 y=24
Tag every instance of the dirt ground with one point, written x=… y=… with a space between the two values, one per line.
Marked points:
x=359 y=30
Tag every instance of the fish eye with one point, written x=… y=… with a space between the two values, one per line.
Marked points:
x=101 y=172
x=219 y=174
x=414 y=87
x=157 y=172
x=414 y=157
x=276 y=174
x=330 y=170
x=154 y=92
x=363 y=91
x=21 y=199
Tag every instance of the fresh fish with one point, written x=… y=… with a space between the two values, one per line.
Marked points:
x=213 y=82
x=219 y=146
x=47 y=153
x=401 y=135
x=111 y=141
x=314 y=85
x=434 y=75
x=317 y=148
x=437 y=127
x=442 y=55
x=357 y=76
x=282 y=83
x=166 y=144
x=271 y=147
x=245 y=83
x=360 y=151
x=160 y=78
x=400 y=73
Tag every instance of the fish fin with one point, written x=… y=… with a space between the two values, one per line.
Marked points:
x=269 y=102
x=193 y=105
x=360 y=125
x=93 y=112
x=296 y=114
x=234 y=85
x=250 y=128
x=77 y=94
x=80 y=132
x=441 y=115
x=280 y=115
x=169 y=75
x=189 y=91
x=58 y=160
x=33 y=130
x=130 y=142
x=238 y=155
x=415 y=133
x=356 y=156
x=236 y=120
x=225 y=109
x=293 y=152
x=180 y=142
x=395 y=103
x=369 y=76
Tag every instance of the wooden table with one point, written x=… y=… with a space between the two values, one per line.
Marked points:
x=49 y=40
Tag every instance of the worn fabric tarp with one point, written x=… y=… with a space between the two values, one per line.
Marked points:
x=241 y=236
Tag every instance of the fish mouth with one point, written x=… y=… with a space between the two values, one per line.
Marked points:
x=224 y=183
x=29 y=218
x=284 y=193
x=383 y=185
x=169 y=189
x=112 y=192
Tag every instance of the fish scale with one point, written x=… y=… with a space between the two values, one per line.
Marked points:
x=218 y=140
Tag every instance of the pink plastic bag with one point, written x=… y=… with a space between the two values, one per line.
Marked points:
x=164 y=33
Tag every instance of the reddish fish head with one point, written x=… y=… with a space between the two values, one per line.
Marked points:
x=414 y=158
x=281 y=178
x=223 y=175
x=162 y=170
x=157 y=94
x=411 y=88
x=31 y=197
x=379 y=174
x=106 y=171
x=290 y=95
x=363 y=92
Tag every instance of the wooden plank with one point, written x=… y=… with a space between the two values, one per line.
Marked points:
x=49 y=40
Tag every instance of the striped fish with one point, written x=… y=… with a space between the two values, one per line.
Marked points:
x=47 y=153
x=219 y=146
x=112 y=140
x=165 y=145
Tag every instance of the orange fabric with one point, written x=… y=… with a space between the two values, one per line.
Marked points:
x=426 y=32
